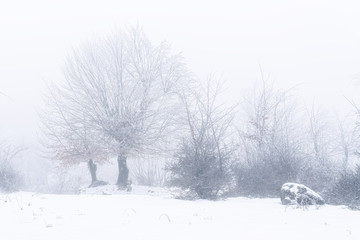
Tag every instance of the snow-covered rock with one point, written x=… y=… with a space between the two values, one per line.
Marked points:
x=294 y=193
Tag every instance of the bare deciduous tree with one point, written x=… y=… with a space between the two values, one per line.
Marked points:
x=271 y=151
x=356 y=130
x=322 y=149
x=9 y=177
x=319 y=135
x=68 y=135
x=347 y=139
x=202 y=162
x=120 y=93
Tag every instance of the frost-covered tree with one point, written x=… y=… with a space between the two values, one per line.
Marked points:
x=271 y=144
x=281 y=142
x=323 y=161
x=10 y=179
x=346 y=190
x=69 y=136
x=120 y=92
x=202 y=162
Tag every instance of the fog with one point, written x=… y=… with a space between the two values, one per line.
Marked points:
x=311 y=46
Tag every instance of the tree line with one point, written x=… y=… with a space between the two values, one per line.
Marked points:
x=122 y=96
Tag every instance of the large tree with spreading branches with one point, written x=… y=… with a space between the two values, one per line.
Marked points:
x=118 y=98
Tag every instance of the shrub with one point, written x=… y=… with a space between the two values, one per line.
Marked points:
x=10 y=179
x=201 y=164
x=319 y=176
x=347 y=189
x=266 y=169
x=199 y=169
x=261 y=179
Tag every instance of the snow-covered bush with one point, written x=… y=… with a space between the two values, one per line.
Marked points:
x=201 y=164
x=280 y=142
x=319 y=176
x=10 y=179
x=270 y=142
x=197 y=168
x=347 y=189
x=264 y=175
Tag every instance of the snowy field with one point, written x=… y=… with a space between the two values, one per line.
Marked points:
x=152 y=213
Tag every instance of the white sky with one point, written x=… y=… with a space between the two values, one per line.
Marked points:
x=314 y=43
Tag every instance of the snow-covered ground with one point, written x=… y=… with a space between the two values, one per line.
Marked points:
x=152 y=213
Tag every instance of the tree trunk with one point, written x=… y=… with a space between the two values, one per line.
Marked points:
x=123 y=176
x=94 y=181
x=92 y=168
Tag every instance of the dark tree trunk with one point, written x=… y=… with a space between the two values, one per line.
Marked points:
x=123 y=176
x=92 y=168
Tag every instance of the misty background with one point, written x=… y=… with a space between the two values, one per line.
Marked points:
x=310 y=46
